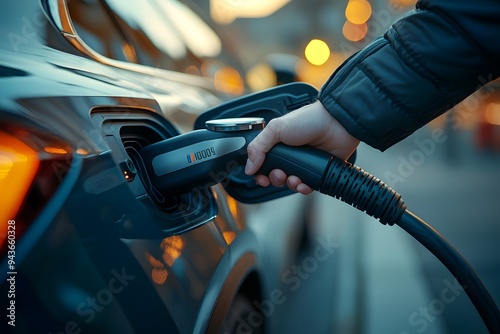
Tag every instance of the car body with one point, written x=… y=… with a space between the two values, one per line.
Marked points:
x=88 y=246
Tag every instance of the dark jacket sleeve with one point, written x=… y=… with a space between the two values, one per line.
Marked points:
x=426 y=62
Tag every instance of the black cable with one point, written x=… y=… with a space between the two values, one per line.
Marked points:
x=367 y=193
x=457 y=265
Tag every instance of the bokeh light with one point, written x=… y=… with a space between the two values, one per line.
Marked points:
x=317 y=52
x=492 y=115
x=227 y=79
x=354 y=32
x=317 y=75
x=402 y=4
x=358 y=11
x=226 y=11
x=260 y=77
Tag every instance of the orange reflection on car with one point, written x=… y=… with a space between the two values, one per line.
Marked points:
x=18 y=167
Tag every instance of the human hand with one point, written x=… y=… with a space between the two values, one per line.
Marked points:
x=310 y=125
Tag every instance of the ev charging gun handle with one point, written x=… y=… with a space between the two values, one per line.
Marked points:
x=202 y=158
x=337 y=178
x=307 y=163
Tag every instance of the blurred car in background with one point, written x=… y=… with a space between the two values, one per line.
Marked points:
x=87 y=242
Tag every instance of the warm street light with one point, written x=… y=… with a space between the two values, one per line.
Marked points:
x=317 y=52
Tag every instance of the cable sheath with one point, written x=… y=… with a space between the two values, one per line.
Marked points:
x=367 y=193
x=457 y=265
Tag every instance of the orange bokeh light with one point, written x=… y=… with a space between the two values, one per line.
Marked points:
x=228 y=79
x=354 y=32
x=358 y=11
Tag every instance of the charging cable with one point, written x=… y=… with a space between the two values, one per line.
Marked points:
x=352 y=185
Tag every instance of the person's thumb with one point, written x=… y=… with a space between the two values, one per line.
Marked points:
x=258 y=148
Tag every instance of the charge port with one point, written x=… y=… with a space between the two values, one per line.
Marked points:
x=126 y=133
x=134 y=138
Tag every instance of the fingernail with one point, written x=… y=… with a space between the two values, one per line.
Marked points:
x=248 y=167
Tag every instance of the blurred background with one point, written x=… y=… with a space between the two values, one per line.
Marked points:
x=308 y=38
x=379 y=280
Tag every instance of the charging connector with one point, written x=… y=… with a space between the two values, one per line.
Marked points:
x=195 y=159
